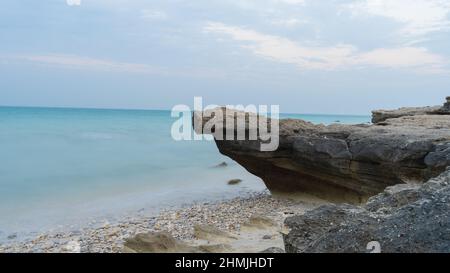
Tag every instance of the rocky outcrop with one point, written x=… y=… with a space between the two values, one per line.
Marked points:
x=445 y=110
x=212 y=234
x=258 y=233
x=404 y=218
x=382 y=115
x=273 y=250
x=164 y=242
x=345 y=162
x=156 y=242
x=259 y=222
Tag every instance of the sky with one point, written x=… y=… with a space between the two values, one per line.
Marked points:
x=308 y=56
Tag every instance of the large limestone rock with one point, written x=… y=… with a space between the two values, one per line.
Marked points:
x=382 y=115
x=345 y=162
x=404 y=218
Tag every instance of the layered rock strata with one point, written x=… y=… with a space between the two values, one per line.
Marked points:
x=343 y=162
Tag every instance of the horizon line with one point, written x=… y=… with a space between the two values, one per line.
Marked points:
x=148 y=109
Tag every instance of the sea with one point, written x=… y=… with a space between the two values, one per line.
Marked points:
x=62 y=168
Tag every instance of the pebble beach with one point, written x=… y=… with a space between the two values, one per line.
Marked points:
x=226 y=215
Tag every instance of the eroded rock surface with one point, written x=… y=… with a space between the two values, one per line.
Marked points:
x=156 y=242
x=382 y=115
x=345 y=162
x=212 y=234
x=273 y=250
x=404 y=218
x=210 y=239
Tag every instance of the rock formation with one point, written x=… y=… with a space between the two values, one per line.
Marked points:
x=382 y=115
x=404 y=218
x=210 y=239
x=210 y=233
x=156 y=242
x=346 y=162
x=273 y=250
x=445 y=110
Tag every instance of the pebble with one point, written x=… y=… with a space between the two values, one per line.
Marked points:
x=110 y=236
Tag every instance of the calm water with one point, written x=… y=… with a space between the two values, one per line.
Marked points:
x=65 y=167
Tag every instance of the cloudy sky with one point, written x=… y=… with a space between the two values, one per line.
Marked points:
x=308 y=56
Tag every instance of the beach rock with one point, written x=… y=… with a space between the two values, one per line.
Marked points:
x=379 y=116
x=273 y=250
x=382 y=115
x=260 y=222
x=156 y=242
x=404 y=218
x=445 y=110
x=220 y=248
x=212 y=234
x=234 y=181
x=221 y=165
x=343 y=163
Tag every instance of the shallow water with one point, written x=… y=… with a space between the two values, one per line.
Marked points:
x=65 y=167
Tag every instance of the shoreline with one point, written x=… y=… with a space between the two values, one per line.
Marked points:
x=226 y=215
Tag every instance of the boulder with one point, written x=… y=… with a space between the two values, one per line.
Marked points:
x=273 y=250
x=343 y=163
x=234 y=181
x=402 y=219
x=445 y=110
x=221 y=165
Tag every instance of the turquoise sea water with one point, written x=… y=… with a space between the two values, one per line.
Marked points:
x=65 y=167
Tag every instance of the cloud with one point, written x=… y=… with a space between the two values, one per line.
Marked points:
x=419 y=17
x=341 y=56
x=73 y=2
x=284 y=50
x=102 y=65
x=416 y=58
x=399 y=57
x=79 y=62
